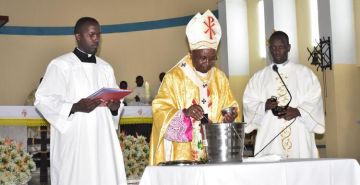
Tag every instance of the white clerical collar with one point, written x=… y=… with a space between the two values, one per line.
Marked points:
x=89 y=55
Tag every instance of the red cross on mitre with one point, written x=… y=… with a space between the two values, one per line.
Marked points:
x=210 y=23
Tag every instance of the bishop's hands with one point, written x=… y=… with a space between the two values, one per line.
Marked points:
x=194 y=111
x=229 y=116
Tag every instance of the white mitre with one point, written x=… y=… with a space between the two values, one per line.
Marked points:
x=203 y=31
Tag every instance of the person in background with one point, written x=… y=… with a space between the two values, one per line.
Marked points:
x=139 y=95
x=84 y=147
x=161 y=77
x=123 y=85
x=270 y=109
x=192 y=90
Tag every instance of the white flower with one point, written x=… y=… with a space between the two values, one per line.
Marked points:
x=15 y=164
x=136 y=154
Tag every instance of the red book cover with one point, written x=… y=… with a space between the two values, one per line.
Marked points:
x=107 y=94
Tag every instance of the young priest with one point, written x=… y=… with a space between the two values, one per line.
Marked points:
x=84 y=148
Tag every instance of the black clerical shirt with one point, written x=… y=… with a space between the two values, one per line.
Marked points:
x=84 y=57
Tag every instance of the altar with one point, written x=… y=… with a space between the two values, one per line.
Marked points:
x=14 y=121
x=29 y=116
x=285 y=172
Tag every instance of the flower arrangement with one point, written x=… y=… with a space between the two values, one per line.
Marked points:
x=136 y=154
x=16 y=164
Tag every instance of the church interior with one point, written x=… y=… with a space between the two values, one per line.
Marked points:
x=148 y=37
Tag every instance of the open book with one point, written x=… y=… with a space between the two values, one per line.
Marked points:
x=106 y=94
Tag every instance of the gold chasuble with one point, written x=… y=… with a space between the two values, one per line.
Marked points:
x=182 y=87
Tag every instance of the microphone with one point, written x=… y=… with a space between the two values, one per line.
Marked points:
x=274 y=138
x=275 y=68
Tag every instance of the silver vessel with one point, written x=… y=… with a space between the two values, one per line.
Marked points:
x=224 y=142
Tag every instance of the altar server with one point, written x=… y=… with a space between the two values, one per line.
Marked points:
x=84 y=147
x=288 y=132
x=194 y=87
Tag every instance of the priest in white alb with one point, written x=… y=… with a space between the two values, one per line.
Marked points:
x=84 y=147
x=288 y=131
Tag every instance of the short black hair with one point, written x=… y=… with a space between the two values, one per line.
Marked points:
x=279 y=35
x=84 y=21
x=123 y=85
x=123 y=82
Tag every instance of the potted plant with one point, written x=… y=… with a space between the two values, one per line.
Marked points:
x=136 y=155
x=16 y=164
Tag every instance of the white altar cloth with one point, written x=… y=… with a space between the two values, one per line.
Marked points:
x=19 y=112
x=29 y=116
x=15 y=119
x=287 y=172
x=29 y=112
